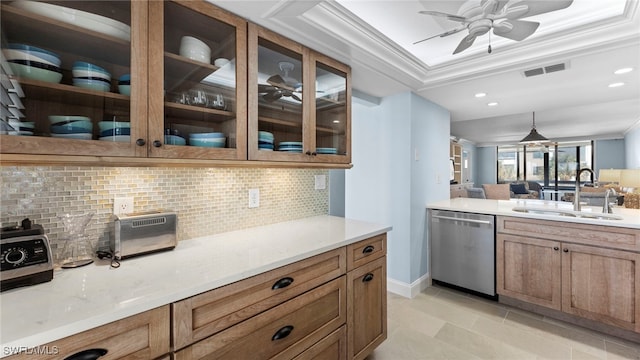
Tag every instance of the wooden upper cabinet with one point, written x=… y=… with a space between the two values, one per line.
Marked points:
x=197 y=83
x=299 y=102
x=118 y=48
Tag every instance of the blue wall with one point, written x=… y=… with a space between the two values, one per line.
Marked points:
x=388 y=184
x=609 y=154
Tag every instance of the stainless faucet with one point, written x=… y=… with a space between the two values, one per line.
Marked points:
x=576 y=199
x=607 y=208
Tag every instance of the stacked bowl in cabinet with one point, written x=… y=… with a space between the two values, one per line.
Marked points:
x=214 y=139
x=116 y=131
x=34 y=63
x=265 y=141
x=90 y=76
x=71 y=127
x=290 y=146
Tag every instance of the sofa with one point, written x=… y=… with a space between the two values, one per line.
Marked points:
x=525 y=190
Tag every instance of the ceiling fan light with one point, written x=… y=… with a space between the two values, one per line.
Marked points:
x=492 y=104
x=623 y=71
x=480 y=95
x=617 y=84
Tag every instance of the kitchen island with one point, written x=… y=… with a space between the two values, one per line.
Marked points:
x=577 y=266
x=80 y=299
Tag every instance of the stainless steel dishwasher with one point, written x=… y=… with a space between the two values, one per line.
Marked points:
x=463 y=250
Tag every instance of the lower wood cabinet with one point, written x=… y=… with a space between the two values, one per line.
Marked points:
x=332 y=347
x=600 y=283
x=282 y=332
x=142 y=336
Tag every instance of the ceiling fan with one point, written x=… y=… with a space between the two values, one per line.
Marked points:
x=503 y=16
x=279 y=86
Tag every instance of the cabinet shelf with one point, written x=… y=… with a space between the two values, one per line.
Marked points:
x=26 y=27
x=293 y=124
x=182 y=73
x=65 y=93
x=189 y=111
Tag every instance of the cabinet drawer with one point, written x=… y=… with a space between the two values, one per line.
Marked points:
x=206 y=314
x=605 y=236
x=332 y=347
x=142 y=336
x=286 y=330
x=365 y=251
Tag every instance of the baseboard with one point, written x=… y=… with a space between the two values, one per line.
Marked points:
x=409 y=290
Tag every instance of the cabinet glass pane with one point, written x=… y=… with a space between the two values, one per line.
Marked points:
x=279 y=98
x=331 y=110
x=199 y=79
x=66 y=71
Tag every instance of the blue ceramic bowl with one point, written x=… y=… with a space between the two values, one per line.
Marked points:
x=174 y=140
x=75 y=127
x=38 y=52
x=116 y=131
x=97 y=85
x=214 y=143
x=212 y=135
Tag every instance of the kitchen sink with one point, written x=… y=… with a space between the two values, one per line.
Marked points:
x=569 y=213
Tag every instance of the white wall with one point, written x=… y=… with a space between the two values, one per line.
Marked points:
x=632 y=148
x=388 y=185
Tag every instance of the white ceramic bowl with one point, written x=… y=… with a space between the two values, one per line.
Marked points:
x=220 y=62
x=97 y=85
x=41 y=53
x=90 y=74
x=195 y=49
x=75 y=17
x=12 y=54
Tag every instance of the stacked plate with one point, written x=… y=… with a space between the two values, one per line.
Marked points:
x=265 y=141
x=33 y=63
x=328 y=151
x=117 y=131
x=71 y=127
x=214 y=139
x=124 y=84
x=90 y=76
x=290 y=146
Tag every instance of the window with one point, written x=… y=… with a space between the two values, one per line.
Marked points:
x=553 y=166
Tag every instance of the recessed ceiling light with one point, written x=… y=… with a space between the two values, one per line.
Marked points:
x=614 y=85
x=480 y=95
x=336 y=121
x=492 y=104
x=623 y=71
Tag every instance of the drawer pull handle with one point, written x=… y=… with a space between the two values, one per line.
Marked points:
x=282 y=333
x=367 y=277
x=368 y=249
x=556 y=248
x=89 y=354
x=282 y=283
x=140 y=142
x=565 y=250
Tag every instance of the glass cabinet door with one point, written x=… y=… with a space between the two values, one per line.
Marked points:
x=197 y=82
x=73 y=85
x=332 y=110
x=277 y=108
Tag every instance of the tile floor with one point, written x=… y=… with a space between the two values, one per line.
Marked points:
x=441 y=323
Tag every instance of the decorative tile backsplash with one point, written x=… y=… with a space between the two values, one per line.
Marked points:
x=207 y=200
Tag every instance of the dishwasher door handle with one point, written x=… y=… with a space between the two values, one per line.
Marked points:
x=485 y=222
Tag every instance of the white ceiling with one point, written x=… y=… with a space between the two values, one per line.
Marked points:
x=375 y=37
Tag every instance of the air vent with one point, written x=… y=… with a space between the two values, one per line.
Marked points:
x=149 y=222
x=546 y=69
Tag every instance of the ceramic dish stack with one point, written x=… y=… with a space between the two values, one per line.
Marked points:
x=83 y=19
x=214 y=139
x=174 y=140
x=71 y=127
x=90 y=76
x=327 y=151
x=290 y=146
x=124 y=84
x=265 y=141
x=34 y=63
x=117 y=131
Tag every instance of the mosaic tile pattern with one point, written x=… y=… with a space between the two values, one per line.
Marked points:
x=207 y=200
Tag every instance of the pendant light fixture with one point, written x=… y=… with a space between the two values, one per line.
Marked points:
x=534 y=137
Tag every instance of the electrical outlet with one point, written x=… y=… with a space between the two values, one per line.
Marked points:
x=320 y=182
x=122 y=205
x=254 y=198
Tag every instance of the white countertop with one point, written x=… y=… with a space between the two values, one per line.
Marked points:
x=630 y=217
x=83 y=298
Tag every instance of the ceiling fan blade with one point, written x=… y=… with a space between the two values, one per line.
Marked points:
x=296 y=97
x=444 y=15
x=493 y=6
x=465 y=43
x=517 y=30
x=447 y=33
x=536 y=7
x=262 y=88
x=272 y=96
x=279 y=82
